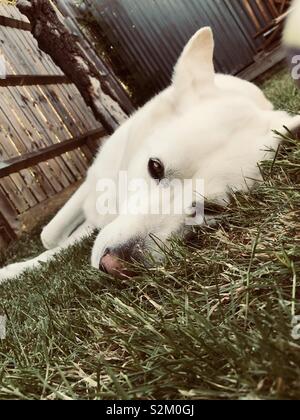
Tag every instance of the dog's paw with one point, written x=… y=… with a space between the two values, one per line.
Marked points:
x=11 y=272
x=47 y=239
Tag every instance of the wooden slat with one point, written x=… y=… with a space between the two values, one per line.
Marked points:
x=57 y=121
x=13 y=12
x=7 y=234
x=33 y=80
x=30 y=159
x=35 y=133
x=42 y=60
x=11 y=145
x=261 y=5
x=273 y=8
x=14 y=23
x=251 y=14
x=23 y=140
x=18 y=57
x=8 y=210
x=21 y=51
x=56 y=171
x=71 y=105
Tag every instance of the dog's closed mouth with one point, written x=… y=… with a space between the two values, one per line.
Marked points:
x=112 y=264
x=115 y=262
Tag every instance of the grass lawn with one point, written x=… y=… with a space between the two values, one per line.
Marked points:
x=214 y=322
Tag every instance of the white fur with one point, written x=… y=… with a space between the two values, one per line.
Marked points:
x=291 y=35
x=207 y=126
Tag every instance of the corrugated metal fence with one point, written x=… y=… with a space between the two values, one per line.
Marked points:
x=148 y=35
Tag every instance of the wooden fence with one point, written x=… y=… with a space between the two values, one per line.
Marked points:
x=48 y=135
x=267 y=18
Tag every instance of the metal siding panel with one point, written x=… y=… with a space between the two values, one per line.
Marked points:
x=152 y=33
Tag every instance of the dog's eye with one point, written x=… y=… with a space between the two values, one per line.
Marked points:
x=156 y=169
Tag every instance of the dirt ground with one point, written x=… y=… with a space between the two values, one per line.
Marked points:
x=35 y=216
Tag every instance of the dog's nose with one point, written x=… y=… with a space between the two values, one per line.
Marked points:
x=112 y=264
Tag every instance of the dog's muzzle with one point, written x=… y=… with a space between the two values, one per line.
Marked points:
x=116 y=261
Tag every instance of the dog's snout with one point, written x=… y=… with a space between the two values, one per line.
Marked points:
x=114 y=262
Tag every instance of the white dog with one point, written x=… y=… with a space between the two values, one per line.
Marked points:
x=204 y=126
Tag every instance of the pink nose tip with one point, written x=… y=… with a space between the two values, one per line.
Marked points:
x=116 y=267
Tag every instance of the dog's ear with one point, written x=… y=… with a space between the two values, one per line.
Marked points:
x=195 y=66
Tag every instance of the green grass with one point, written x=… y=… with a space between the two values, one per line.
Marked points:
x=214 y=322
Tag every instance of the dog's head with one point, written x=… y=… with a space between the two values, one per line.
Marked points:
x=204 y=130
